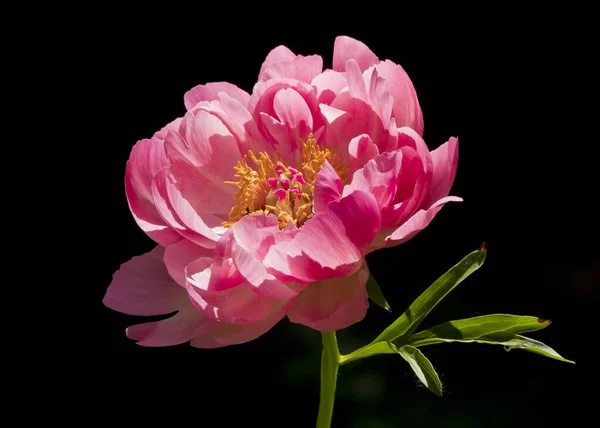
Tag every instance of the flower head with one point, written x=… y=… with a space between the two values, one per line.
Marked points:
x=264 y=205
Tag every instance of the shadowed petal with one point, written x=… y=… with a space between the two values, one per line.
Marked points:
x=143 y=286
x=332 y=304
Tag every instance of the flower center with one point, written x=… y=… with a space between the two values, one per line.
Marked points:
x=272 y=187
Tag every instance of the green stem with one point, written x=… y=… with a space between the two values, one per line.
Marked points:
x=330 y=361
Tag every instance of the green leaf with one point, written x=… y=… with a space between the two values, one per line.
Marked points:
x=422 y=368
x=507 y=339
x=375 y=294
x=479 y=327
x=420 y=308
x=369 y=350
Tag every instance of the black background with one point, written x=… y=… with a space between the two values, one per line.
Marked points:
x=522 y=98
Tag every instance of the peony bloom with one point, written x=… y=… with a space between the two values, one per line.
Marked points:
x=265 y=205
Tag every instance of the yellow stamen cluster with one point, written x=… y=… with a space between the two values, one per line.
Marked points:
x=256 y=196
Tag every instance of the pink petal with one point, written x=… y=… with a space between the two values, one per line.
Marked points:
x=445 y=160
x=346 y=48
x=210 y=145
x=411 y=188
x=331 y=114
x=210 y=92
x=233 y=305
x=177 y=212
x=293 y=111
x=330 y=244
x=328 y=187
x=406 y=110
x=205 y=192
x=361 y=150
x=295 y=121
x=253 y=236
x=276 y=56
x=356 y=82
x=262 y=102
x=361 y=119
x=300 y=68
x=142 y=286
x=332 y=304
x=146 y=158
x=380 y=177
x=418 y=222
x=179 y=255
x=227 y=334
x=379 y=94
x=328 y=84
x=182 y=327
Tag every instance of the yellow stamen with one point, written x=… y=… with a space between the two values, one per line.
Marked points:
x=255 y=196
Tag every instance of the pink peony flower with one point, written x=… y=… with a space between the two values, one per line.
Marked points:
x=265 y=205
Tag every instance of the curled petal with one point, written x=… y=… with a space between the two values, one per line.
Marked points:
x=445 y=160
x=143 y=286
x=417 y=222
x=332 y=304
x=356 y=82
x=328 y=187
x=235 y=304
x=361 y=150
x=253 y=237
x=178 y=213
x=328 y=84
x=330 y=244
x=210 y=92
x=179 y=255
x=146 y=159
x=346 y=48
x=380 y=177
x=406 y=110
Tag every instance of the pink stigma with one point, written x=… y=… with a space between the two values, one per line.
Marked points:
x=280 y=193
x=272 y=183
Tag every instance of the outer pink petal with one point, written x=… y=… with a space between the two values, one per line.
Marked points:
x=182 y=327
x=234 y=305
x=445 y=160
x=177 y=212
x=276 y=56
x=179 y=255
x=210 y=92
x=332 y=304
x=332 y=243
x=328 y=84
x=146 y=158
x=406 y=110
x=346 y=48
x=227 y=334
x=328 y=187
x=142 y=286
x=253 y=236
x=302 y=68
x=418 y=222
